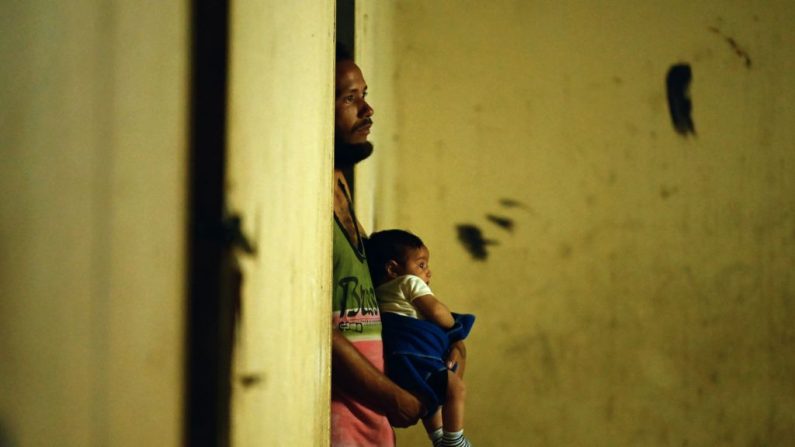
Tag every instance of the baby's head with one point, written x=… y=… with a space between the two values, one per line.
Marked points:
x=393 y=253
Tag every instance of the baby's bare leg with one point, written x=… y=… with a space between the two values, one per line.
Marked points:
x=453 y=409
x=433 y=422
x=433 y=426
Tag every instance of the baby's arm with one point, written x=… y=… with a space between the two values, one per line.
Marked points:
x=434 y=310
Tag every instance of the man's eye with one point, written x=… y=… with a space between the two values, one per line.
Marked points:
x=349 y=98
x=364 y=95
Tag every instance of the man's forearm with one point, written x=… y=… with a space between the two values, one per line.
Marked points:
x=354 y=374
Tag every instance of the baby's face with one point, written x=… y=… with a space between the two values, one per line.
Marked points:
x=418 y=263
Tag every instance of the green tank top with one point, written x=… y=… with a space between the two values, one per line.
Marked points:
x=356 y=316
x=355 y=309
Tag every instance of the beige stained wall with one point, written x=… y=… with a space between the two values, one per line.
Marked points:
x=645 y=293
x=279 y=182
x=94 y=124
x=93 y=110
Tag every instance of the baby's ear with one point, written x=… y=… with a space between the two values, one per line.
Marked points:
x=392 y=269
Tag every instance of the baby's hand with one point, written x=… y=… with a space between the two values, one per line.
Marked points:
x=456 y=361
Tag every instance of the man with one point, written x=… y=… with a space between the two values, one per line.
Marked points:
x=363 y=400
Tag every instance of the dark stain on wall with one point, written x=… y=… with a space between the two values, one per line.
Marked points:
x=739 y=51
x=667 y=191
x=678 y=85
x=511 y=203
x=506 y=223
x=471 y=237
x=249 y=380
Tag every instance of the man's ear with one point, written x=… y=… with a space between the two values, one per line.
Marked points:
x=392 y=269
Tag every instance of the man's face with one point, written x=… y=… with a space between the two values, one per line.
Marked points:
x=352 y=119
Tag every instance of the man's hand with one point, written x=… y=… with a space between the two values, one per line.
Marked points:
x=405 y=410
x=457 y=358
x=354 y=374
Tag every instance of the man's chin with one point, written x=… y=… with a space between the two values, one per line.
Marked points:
x=348 y=154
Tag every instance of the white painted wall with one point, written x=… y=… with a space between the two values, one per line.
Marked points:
x=93 y=106
x=280 y=166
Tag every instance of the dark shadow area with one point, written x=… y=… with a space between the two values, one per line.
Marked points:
x=346 y=21
x=6 y=440
x=211 y=277
x=346 y=27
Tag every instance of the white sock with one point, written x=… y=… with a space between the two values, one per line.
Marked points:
x=455 y=439
x=436 y=437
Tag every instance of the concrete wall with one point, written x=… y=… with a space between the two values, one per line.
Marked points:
x=280 y=166
x=92 y=223
x=93 y=107
x=640 y=289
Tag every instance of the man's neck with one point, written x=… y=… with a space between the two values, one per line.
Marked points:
x=347 y=174
x=343 y=205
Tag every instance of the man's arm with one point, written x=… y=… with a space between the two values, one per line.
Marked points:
x=352 y=372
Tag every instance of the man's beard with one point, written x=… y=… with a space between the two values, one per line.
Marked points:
x=348 y=154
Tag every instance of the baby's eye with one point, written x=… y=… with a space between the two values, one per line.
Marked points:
x=422 y=265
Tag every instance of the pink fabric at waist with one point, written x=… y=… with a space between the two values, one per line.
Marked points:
x=352 y=423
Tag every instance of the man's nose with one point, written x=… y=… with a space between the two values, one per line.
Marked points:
x=365 y=111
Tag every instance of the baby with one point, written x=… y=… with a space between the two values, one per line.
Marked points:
x=418 y=331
